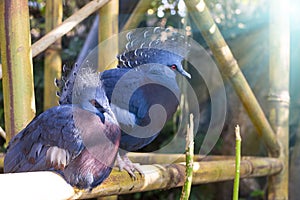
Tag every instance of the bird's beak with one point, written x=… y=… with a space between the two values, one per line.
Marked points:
x=184 y=73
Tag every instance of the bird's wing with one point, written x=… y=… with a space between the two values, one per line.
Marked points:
x=49 y=141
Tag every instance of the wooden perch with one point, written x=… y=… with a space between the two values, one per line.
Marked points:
x=43 y=43
x=155 y=177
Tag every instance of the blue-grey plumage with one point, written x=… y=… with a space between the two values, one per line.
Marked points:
x=78 y=141
x=151 y=85
x=147 y=54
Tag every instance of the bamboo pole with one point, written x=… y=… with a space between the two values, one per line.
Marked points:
x=230 y=69
x=169 y=176
x=238 y=141
x=189 y=154
x=53 y=63
x=43 y=43
x=279 y=98
x=108 y=26
x=154 y=177
x=136 y=16
x=18 y=90
x=2 y=160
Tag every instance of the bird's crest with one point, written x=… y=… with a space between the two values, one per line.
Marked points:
x=66 y=84
x=147 y=42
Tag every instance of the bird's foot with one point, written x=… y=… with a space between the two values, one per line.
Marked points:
x=124 y=163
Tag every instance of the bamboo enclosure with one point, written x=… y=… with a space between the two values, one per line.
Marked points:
x=53 y=63
x=18 y=90
x=19 y=103
x=158 y=176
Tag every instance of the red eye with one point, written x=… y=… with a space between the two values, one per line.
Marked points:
x=174 y=67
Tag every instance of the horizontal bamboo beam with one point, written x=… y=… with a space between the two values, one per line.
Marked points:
x=154 y=177
x=172 y=175
x=230 y=69
x=43 y=43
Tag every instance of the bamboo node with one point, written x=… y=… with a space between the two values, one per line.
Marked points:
x=282 y=97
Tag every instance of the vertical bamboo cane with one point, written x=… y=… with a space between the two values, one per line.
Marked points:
x=18 y=90
x=52 y=66
x=279 y=98
x=230 y=69
x=238 y=141
x=189 y=160
x=108 y=26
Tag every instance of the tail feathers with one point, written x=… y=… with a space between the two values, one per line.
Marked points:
x=21 y=163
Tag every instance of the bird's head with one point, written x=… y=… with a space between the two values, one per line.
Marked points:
x=155 y=45
x=90 y=95
x=143 y=56
x=100 y=106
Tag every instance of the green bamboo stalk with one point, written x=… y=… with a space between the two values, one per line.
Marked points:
x=18 y=90
x=238 y=141
x=53 y=63
x=68 y=24
x=108 y=26
x=279 y=98
x=230 y=69
x=189 y=154
x=137 y=15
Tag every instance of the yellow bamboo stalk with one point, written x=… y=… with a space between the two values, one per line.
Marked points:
x=169 y=176
x=108 y=26
x=136 y=16
x=2 y=160
x=156 y=176
x=230 y=69
x=43 y=43
x=279 y=99
x=53 y=63
x=18 y=90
